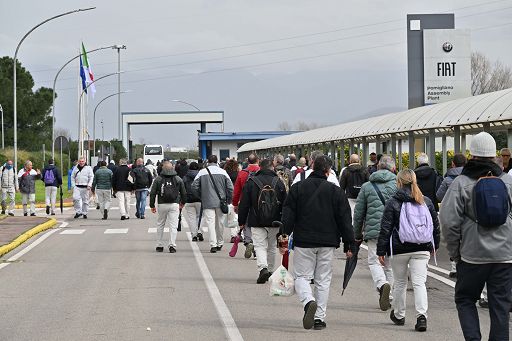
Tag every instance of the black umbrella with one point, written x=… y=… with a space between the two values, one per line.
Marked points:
x=350 y=266
x=61 y=201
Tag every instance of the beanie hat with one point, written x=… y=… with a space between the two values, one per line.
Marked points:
x=483 y=145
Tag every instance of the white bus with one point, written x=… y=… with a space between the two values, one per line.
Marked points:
x=153 y=152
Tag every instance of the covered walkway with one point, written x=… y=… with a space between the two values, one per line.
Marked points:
x=458 y=118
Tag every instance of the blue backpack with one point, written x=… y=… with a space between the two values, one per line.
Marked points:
x=491 y=201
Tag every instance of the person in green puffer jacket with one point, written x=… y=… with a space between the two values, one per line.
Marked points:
x=102 y=187
x=367 y=214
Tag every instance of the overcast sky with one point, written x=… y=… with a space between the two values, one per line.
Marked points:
x=262 y=62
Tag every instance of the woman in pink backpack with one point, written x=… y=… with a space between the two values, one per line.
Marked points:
x=409 y=233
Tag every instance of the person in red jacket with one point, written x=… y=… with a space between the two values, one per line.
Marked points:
x=241 y=179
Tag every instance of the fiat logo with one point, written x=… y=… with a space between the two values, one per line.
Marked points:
x=447 y=47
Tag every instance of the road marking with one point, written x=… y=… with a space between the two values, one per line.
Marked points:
x=115 y=231
x=230 y=327
x=431 y=274
x=72 y=232
x=153 y=229
x=30 y=247
x=64 y=224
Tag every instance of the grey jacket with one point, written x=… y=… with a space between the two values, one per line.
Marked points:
x=369 y=207
x=451 y=174
x=466 y=239
x=202 y=186
x=8 y=178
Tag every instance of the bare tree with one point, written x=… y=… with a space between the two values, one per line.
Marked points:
x=62 y=132
x=488 y=77
x=303 y=126
x=285 y=126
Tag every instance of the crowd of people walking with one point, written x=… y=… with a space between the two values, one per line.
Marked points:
x=400 y=216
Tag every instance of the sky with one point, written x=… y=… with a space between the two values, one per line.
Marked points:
x=261 y=62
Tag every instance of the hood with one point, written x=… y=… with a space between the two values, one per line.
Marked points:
x=403 y=194
x=49 y=167
x=191 y=173
x=456 y=171
x=476 y=168
x=354 y=167
x=382 y=175
x=424 y=171
x=317 y=174
x=168 y=173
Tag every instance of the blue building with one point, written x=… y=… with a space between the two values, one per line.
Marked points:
x=226 y=144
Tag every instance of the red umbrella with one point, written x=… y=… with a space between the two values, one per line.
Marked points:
x=234 y=248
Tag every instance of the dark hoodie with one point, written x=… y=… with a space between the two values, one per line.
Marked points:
x=157 y=187
x=476 y=168
x=187 y=180
x=390 y=225
x=58 y=177
x=428 y=182
x=352 y=178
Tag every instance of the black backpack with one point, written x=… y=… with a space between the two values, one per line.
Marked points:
x=268 y=206
x=354 y=182
x=169 y=191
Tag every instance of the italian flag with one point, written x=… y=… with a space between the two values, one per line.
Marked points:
x=89 y=77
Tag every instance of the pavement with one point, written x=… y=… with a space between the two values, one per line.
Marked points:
x=102 y=280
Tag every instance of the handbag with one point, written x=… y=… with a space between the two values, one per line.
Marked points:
x=223 y=203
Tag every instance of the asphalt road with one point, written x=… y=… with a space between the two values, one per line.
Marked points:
x=80 y=283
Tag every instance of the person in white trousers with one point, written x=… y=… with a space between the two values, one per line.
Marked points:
x=81 y=181
x=123 y=188
x=168 y=190
x=192 y=209
x=27 y=183
x=408 y=256
x=9 y=186
x=318 y=222
x=52 y=179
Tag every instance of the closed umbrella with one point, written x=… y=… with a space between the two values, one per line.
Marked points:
x=61 y=201
x=350 y=266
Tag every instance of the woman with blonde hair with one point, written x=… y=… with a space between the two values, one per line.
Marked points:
x=409 y=233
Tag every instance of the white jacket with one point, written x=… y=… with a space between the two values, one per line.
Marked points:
x=83 y=177
x=8 y=178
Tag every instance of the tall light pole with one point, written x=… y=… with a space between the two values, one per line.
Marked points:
x=80 y=118
x=94 y=117
x=120 y=128
x=54 y=85
x=3 y=133
x=15 y=109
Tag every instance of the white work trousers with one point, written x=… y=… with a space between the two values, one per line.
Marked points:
x=214 y=220
x=8 y=199
x=81 y=200
x=28 y=198
x=50 y=197
x=104 y=197
x=380 y=274
x=265 y=245
x=313 y=263
x=191 y=212
x=124 y=203
x=417 y=263
x=167 y=214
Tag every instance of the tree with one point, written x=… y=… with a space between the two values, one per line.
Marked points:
x=488 y=77
x=284 y=126
x=34 y=107
x=301 y=126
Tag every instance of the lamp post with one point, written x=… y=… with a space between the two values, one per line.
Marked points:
x=80 y=128
x=187 y=103
x=94 y=117
x=15 y=109
x=3 y=133
x=120 y=128
x=54 y=85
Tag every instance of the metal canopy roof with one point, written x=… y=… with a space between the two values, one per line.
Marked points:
x=468 y=113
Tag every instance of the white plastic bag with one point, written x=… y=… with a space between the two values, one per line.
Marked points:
x=281 y=283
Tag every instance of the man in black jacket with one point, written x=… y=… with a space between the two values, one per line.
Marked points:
x=262 y=200
x=123 y=188
x=318 y=214
x=428 y=179
x=142 y=182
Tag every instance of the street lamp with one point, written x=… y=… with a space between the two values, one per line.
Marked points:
x=15 y=109
x=94 y=117
x=120 y=128
x=54 y=85
x=80 y=118
x=187 y=103
x=3 y=133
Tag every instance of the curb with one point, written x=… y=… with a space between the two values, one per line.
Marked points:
x=27 y=235
x=66 y=204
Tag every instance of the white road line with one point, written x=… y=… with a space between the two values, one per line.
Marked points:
x=153 y=230
x=115 y=231
x=33 y=245
x=64 y=224
x=230 y=327
x=431 y=274
x=72 y=232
